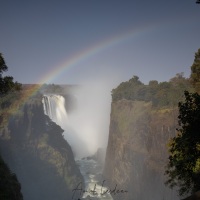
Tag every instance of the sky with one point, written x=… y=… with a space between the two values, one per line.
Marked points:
x=97 y=44
x=70 y=42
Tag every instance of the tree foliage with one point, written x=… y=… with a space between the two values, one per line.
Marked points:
x=10 y=188
x=183 y=168
x=195 y=72
x=3 y=66
x=160 y=94
x=8 y=91
x=6 y=83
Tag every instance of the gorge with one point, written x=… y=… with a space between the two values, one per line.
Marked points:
x=90 y=166
x=139 y=132
x=51 y=148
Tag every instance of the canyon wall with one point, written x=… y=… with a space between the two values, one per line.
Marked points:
x=35 y=150
x=136 y=155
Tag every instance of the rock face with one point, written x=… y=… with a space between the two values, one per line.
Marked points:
x=35 y=150
x=195 y=196
x=137 y=150
x=10 y=188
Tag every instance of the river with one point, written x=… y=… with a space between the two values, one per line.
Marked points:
x=94 y=184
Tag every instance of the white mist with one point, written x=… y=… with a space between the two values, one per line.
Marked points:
x=90 y=120
x=87 y=126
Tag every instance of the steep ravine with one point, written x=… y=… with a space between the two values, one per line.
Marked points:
x=136 y=154
x=35 y=150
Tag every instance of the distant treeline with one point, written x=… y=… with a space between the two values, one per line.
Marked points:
x=160 y=94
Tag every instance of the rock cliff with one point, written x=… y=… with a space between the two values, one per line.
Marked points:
x=10 y=188
x=137 y=150
x=35 y=150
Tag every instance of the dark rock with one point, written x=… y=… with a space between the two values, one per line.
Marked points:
x=195 y=196
x=39 y=155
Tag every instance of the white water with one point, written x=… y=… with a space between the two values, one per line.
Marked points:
x=94 y=183
x=54 y=107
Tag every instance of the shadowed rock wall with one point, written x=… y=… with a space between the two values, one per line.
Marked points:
x=137 y=150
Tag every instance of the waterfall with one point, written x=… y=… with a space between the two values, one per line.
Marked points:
x=84 y=127
x=54 y=107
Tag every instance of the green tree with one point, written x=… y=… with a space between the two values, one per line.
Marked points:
x=6 y=83
x=3 y=66
x=195 y=72
x=183 y=169
x=10 y=188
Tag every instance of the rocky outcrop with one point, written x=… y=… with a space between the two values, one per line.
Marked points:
x=35 y=150
x=10 y=187
x=137 y=150
x=195 y=196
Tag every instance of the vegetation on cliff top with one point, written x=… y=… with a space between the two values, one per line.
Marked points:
x=160 y=94
x=6 y=83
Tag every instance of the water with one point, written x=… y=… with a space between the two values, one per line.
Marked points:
x=54 y=107
x=94 y=182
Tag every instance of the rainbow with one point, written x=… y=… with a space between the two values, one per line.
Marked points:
x=82 y=56
x=91 y=51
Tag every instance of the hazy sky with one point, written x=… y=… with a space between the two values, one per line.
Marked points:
x=96 y=38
